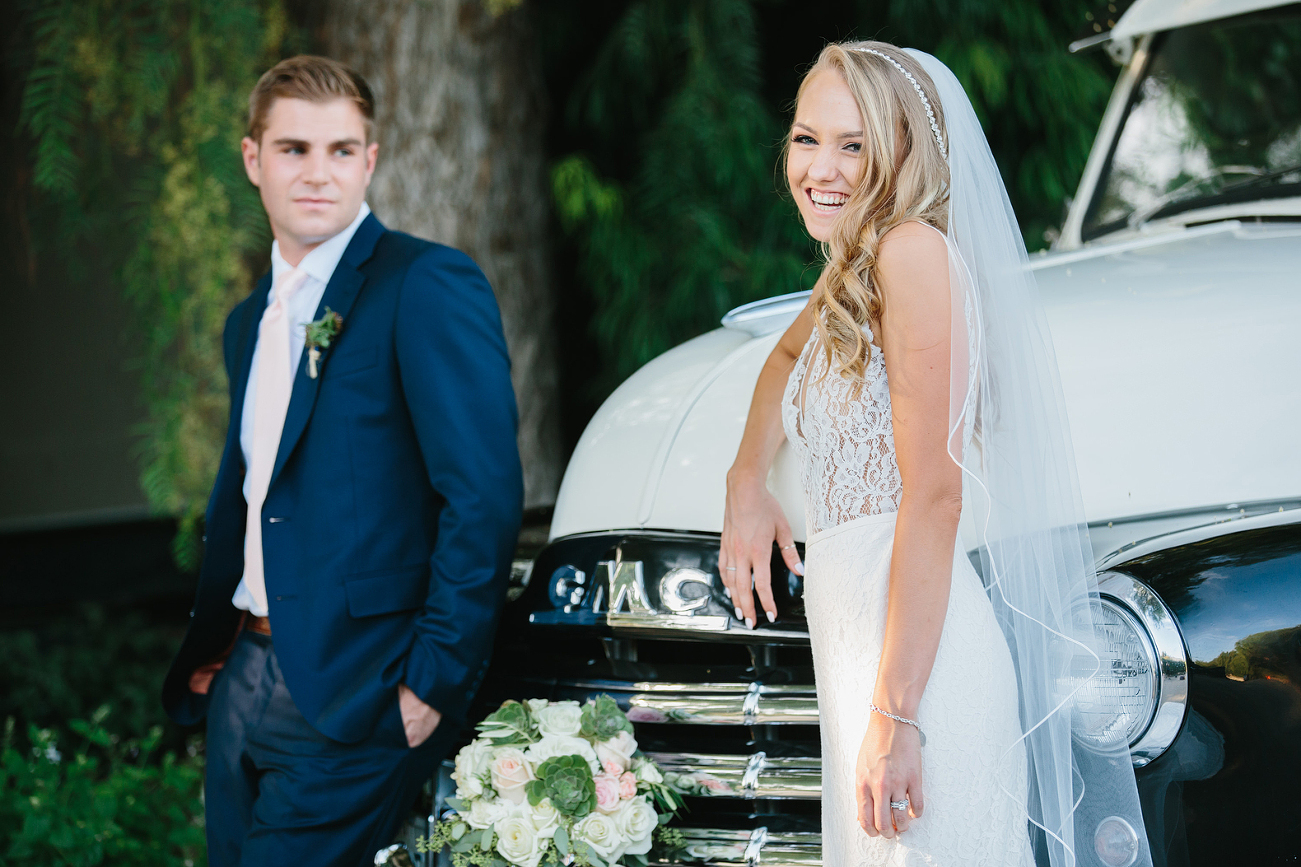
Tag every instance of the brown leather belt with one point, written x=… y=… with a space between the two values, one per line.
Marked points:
x=260 y=625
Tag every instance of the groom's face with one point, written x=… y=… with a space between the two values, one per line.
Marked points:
x=312 y=167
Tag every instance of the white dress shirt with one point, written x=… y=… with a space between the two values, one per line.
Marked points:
x=319 y=264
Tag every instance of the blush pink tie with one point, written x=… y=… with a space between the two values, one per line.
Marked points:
x=271 y=401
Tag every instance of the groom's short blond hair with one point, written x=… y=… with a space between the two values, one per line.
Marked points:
x=313 y=78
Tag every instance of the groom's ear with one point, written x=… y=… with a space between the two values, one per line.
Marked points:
x=372 y=155
x=251 y=152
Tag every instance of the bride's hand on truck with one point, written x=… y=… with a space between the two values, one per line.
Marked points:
x=752 y=521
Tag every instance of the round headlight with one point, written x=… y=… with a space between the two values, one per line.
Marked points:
x=1114 y=707
x=1139 y=695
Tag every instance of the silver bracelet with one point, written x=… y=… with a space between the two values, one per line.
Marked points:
x=911 y=722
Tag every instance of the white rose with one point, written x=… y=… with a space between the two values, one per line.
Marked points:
x=536 y=704
x=559 y=745
x=517 y=841
x=648 y=773
x=510 y=773
x=601 y=833
x=636 y=820
x=545 y=817
x=562 y=718
x=472 y=762
x=618 y=749
x=484 y=813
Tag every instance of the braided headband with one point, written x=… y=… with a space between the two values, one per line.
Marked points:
x=926 y=103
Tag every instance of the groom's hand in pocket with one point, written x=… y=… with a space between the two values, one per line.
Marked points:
x=418 y=719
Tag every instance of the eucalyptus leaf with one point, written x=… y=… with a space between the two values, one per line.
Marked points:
x=561 y=839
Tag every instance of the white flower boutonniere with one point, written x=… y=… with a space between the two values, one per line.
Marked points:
x=319 y=335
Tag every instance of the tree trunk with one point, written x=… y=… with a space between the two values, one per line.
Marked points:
x=459 y=115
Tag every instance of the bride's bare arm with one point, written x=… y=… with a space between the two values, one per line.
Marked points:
x=752 y=517
x=913 y=272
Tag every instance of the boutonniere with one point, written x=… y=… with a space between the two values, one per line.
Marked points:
x=319 y=335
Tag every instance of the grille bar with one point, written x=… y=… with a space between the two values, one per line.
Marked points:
x=724 y=848
x=746 y=777
x=753 y=705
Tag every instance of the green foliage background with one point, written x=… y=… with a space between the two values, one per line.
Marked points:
x=91 y=771
x=135 y=111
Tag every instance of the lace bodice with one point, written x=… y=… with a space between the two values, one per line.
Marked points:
x=844 y=442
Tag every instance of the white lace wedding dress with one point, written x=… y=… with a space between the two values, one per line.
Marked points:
x=973 y=767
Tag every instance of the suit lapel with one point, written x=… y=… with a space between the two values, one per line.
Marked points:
x=340 y=294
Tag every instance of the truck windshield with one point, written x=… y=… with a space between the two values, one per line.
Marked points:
x=1215 y=120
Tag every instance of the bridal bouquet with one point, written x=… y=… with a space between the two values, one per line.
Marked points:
x=555 y=783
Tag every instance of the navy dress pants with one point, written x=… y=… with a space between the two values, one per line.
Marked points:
x=279 y=792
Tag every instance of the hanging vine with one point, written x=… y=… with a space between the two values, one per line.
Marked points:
x=135 y=111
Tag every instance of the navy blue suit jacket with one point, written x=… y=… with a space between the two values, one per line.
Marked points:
x=394 y=503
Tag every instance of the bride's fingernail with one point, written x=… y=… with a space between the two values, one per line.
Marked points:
x=749 y=621
x=727 y=592
x=739 y=615
x=799 y=569
x=772 y=618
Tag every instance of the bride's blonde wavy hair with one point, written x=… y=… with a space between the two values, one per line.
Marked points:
x=905 y=177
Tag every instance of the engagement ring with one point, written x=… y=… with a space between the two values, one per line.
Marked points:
x=899 y=805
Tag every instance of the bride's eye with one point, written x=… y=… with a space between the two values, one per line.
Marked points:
x=804 y=140
x=854 y=147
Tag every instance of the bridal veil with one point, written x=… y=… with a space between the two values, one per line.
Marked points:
x=1022 y=493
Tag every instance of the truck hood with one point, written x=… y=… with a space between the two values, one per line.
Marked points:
x=1179 y=358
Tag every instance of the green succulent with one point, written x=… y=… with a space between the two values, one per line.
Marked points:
x=509 y=725
x=567 y=781
x=603 y=719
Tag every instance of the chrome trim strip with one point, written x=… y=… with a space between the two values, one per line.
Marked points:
x=767 y=315
x=745 y=777
x=739 y=688
x=709 y=627
x=1171 y=670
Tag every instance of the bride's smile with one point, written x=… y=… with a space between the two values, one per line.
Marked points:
x=829 y=202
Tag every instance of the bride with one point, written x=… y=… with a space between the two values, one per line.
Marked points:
x=918 y=388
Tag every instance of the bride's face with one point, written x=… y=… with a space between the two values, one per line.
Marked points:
x=825 y=158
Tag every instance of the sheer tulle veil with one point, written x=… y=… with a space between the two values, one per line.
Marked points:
x=1022 y=494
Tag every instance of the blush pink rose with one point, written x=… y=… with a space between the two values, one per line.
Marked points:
x=510 y=773
x=611 y=767
x=607 y=793
x=627 y=784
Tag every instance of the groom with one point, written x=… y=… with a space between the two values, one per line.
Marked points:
x=362 y=524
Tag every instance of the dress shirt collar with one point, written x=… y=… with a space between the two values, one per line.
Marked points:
x=321 y=261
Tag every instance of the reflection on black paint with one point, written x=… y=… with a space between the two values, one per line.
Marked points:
x=1228 y=791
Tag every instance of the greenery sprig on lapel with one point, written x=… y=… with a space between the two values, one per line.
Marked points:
x=319 y=335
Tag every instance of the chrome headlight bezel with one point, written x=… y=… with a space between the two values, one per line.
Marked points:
x=1141 y=604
